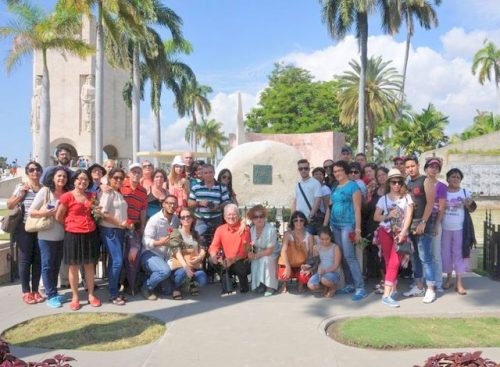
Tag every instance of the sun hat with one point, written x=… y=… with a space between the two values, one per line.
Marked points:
x=178 y=161
x=101 y=168
x=433 y=160
x=393 y=173
x=134 y=165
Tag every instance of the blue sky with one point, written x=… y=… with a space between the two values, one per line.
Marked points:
x=236 y=43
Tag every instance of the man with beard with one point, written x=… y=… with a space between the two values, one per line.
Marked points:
x=63 y=156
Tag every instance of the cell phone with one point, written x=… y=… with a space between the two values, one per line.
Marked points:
x=50 y=206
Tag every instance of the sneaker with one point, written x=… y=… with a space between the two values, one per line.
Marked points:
x=61 y=299
x=414 y=292
x=430 y=296
x=388 y=301
x=54 y=302
x=394 y=295
x=147 y=294
x=348 y=289
x=359 y=295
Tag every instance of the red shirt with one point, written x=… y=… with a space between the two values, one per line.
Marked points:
x=231 y=241
x=78 y=217
x=137 y=201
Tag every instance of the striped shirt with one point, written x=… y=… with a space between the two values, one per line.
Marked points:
x=137 y=201
x=217 y=195
x=27 y=201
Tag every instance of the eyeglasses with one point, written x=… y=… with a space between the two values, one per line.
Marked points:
x=304 y=168
x=31 y=170
x=261 y=216
x=117 y=178
x=328 y=167
x=354 y=172
x=398 y=182
x=297 y=220
x=147 y=165
x=185 y=217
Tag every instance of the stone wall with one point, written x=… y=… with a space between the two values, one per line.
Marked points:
x=8 y=185
x=315 y=147
x=479 y=160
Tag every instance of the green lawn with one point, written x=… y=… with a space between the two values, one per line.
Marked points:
x=104 y=331
x=406 y=332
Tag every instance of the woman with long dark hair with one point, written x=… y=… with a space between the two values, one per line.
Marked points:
x=225 y=177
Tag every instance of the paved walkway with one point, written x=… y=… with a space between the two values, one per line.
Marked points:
x=250 y=330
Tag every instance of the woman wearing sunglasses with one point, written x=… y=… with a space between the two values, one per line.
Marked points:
x=264 y=241
x=296 y=253
x=30 y=267
x=112 y=230
x=394 y=212
x=225 y=177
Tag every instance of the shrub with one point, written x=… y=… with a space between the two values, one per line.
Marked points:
x=7 y=359
x=459 y=360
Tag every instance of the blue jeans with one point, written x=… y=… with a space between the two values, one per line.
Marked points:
x=422 y=257
x=30 y=267
x=178 y=277
x=350 y=264
x=113 y=239
x=51 y=253
x=157 y=268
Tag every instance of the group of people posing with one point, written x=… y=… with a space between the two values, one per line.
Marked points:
x=183 y=227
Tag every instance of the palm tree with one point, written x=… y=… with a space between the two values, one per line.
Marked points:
x=340 y=16
x=421 y=132
x=213 y=137
x=381 y=90
x=409 y=11
x=35 y=31
x=487 y=60
x=109 y=12
x=195 y=99
x=484 y=123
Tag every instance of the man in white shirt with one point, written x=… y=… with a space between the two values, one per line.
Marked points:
x=307 y=193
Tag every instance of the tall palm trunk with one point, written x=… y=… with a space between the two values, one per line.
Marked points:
x=99 y=86
x=135 y=103
x=195 y=132
x=363 y=45
x=155 y=90
x=407 y=53
x=45 y=114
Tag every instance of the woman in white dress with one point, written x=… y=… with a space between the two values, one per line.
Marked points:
x=264 y=239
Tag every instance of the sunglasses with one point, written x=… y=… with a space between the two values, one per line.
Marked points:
x=117 y=178
x=354 y=172
x=31 y=170
x=304 y=168
x=296 y=220
x=185 y=217
x=327 y=167
x=259 y=216
x=398 y=182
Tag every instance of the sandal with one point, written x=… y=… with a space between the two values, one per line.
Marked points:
x=329 y=293
x=75 y=305
x=177 y=295
x=194 y=290
x=118 y=300
x=37 y=296
x=28 y=298
x=94 y=301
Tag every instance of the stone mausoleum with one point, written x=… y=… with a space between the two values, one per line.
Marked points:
x=72 y=96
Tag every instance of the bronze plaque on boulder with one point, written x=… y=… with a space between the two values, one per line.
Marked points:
x=262 y=174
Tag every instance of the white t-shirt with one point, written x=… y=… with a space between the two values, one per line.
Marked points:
x=112 y=202
x=453 y=219
x=386 y=204
x=312 y=190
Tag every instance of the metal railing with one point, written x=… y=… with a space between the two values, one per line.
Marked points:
x=491 y=257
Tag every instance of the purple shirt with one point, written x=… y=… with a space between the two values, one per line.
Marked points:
x=441 y=190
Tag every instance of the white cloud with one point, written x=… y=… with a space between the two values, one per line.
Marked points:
x=459 y=43
x=442 y=79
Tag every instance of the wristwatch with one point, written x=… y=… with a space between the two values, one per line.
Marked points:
x=423 y=221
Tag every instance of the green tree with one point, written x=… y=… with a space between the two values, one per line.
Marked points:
x=194 y=99
x=294 y=103
x=382 y=86
x=33 y=30
x=213 y=137
x=409 y=11
x=340 y=16
x=484 y=123
x=421 y=132
x=487 y=60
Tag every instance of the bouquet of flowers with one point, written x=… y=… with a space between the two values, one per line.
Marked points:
x=95 y=209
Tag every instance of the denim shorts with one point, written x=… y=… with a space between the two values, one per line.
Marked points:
x=333 y=277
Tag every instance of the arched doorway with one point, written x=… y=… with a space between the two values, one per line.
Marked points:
x=110 y=151
x=67 y=144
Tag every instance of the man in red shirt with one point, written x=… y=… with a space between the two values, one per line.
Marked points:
x=233 y=243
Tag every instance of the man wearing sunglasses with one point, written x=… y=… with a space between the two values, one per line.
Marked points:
x=307 y=193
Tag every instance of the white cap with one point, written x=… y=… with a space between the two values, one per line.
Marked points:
x=178 y=161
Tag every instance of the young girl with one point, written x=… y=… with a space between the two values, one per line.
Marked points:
x=329 y=261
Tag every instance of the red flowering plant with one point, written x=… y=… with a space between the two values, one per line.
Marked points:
x=95 y=209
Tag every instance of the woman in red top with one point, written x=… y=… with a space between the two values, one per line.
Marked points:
x=81 y=241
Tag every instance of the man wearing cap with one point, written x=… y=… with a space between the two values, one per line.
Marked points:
x=136 y=197
x=399 y=163
x=423 y=193
x=346 y=154
x=308 y=194
x=432 y=168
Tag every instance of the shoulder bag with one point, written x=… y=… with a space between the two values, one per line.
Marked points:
x=468 y=233
x=15 y=217
x=42 y=223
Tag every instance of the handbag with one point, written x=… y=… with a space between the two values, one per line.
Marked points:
x=42 y=223
x=468 y=233
x=405 y=247
x=11 y=221
x=295 y=253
